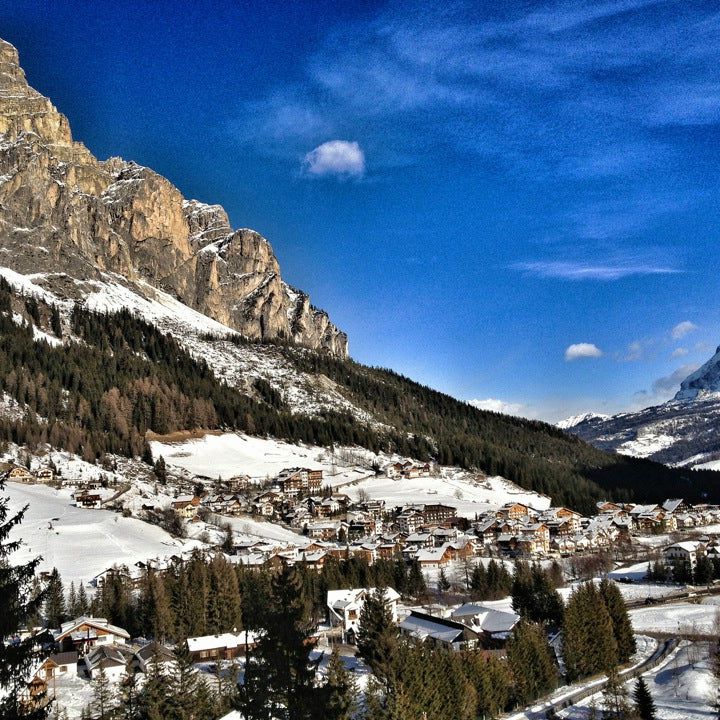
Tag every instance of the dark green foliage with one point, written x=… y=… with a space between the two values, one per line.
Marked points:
x=279 y=677
x=622 y=627
x=160 y=470
x=55 y=611
x=339 y=693
x=534 y=595
x=18 y=603
x=530 y=657
x=589 y=645
x=377 y=637
x=644 y=704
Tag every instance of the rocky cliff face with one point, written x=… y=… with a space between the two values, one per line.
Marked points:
x=63 y=211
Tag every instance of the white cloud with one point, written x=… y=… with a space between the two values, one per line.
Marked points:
x=568 y=270
x=499 y=406
x=582 y=350
x=679 y=352
x=682 y=329
x=335 y=157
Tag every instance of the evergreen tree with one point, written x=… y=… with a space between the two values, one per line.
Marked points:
x=104 y=699
x=644 y=703
x=160 y=470
x=615 y=697
x=478 y=582
x=622 y=627
x=72 y=601
x=339 y=694
x=533 y=668
x=279 y=676
x=443 y=582
x=55 y=601
x=416 y=586
x=188 y=697
x=589 y=645
x=18 y=604
x=377 y=636
x=82 y=601
x=704 y=571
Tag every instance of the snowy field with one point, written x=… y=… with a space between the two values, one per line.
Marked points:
x=681 y=617
x=452 y=487
x=82 y=543
x=349 y=470
x=682 y=687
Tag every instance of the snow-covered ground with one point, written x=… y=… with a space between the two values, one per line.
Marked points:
x=347 y=469
x=683 y=687
x=468 y=493
x=680 y=617
x=81 y=543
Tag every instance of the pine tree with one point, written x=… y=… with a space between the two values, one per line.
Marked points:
x=18 y=604
x=622 y=627
x=615 y=697
x=72 y=601
x=82 y=601
x=377 y=636
x=55 y=601
x=104 y=699
x=339 y=694
x=644 y=704
x=279 y=676
x=531 y=662
x=416 y=586
x=443 y=582
x=161 y=470
x=589 y=645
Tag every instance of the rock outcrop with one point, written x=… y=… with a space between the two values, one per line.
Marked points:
x=63 y=211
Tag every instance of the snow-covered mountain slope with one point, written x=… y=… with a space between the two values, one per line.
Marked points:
x=237 y=364
x=574 y=420
x=348 y=470
x=683 y=431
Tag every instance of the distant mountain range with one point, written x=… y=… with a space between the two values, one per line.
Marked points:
x=683 y=431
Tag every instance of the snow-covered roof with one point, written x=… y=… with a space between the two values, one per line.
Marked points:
x=226 y=640
x=340 y=599
x=422 y=626
x=71 y=627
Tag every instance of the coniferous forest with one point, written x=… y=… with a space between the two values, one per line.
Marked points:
x=127 y=377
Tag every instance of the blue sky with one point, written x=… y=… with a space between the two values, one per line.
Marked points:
x=512 y=202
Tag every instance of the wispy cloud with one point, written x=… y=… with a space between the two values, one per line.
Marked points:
x=575 y=94
x=682 y=329
x=671 y=383
x=579 y=270
x=577 y=351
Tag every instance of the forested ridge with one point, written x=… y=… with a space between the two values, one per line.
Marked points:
x=127 y=377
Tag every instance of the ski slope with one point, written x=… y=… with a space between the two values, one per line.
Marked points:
x=81 y=543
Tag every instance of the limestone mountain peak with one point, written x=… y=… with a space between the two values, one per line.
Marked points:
x=63 y=212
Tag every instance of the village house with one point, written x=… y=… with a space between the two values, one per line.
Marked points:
x=227 y=646
x=45 y=475
x=59 y=664
x=86 y=632
x=20 y=474
x=494 y=625
x=300 y=480
x=438 y=514
x=345 y=606
x=436 y=557
x=86 y=500
x=441 y=632
x=688 y=551
x=514 y=511
x=186 y=506
x=154 y=653
x=114 y=660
